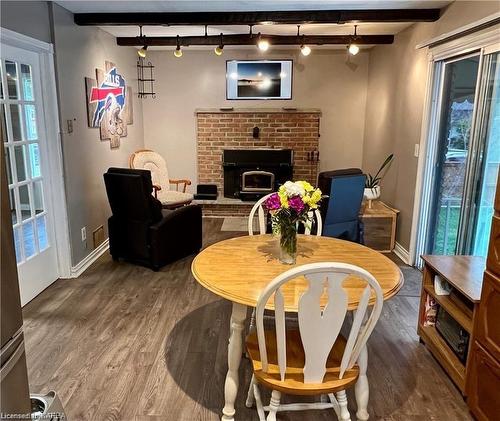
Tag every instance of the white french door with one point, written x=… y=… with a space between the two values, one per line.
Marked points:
x=28 y=173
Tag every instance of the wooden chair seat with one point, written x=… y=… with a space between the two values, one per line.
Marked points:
x=294 y=382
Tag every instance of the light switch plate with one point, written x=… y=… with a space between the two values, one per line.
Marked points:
x=416 y=151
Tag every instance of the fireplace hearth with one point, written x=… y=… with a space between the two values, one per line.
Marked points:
x=250 y=174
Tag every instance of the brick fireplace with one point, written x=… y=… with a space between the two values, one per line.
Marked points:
x=218 y=130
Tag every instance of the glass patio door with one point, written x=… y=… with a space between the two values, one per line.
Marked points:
x=459 y=80
x=465 y=153
x=24 y=141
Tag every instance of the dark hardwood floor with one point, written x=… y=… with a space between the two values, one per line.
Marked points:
x=124 y=343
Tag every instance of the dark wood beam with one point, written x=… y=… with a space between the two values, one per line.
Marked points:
x=246 y=39
x=257 y=18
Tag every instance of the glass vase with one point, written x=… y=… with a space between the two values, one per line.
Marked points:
x=288 y=244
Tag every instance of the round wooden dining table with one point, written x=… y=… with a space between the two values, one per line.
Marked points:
x=238 y=269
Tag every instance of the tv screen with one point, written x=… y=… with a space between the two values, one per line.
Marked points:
x=259 y=79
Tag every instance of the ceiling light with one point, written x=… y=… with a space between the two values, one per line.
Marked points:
x=142 y=52
x=305 y=50
x=219 y=49
x=142 y=38
x=263 y=43
x=353 y=48
x=178 y=51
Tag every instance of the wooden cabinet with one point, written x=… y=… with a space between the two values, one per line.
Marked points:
x=484 y=385
x=379 y=222
x=488 y=318
x=464 y=274
x=483 y=378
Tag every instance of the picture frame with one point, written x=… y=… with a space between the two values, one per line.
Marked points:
x=259 y=79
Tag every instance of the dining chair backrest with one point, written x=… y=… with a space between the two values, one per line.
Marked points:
x=258 y=209
x=320 y=327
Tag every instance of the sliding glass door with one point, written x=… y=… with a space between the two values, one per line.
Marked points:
x=459 y=80
x=464 y=156
x=483 y=185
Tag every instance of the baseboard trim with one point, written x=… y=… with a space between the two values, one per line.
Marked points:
x=83 y=265
x=402 y=253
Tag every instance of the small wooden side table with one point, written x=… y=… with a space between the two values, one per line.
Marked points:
x=379 y=226
x=465 y=275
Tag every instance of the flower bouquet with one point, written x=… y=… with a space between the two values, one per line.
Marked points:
x=289 y=207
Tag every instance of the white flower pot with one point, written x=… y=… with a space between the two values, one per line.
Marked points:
x=372 y=194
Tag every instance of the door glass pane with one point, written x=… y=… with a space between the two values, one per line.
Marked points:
x=11 y=72
x=3 y=122
x=41 y=228
x=19 y=157
x=17 y=243
x=28 y=239
x=30 y=116
x=13 y=206
x=8 y=166
x=24 y=202
x=457 y=106
x=27 y=82
x=34 y=153
x=15 y=118
x=491 y=161
x=37 y=197
x=1 y=81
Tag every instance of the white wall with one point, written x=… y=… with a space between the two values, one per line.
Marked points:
x=394 y=112
x=79 y=51
x=323 y=80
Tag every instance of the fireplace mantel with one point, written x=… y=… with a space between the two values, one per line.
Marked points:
x=256 y=110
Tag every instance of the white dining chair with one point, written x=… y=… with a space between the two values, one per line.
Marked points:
x=258 y=209
x=315 y=359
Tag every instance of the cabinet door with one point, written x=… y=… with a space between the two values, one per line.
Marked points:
x=488 y=326
x=483 y=385
x=493 y=262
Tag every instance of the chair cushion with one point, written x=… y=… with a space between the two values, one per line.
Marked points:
x=294 y=377
x=154 y=162
x=172 y=197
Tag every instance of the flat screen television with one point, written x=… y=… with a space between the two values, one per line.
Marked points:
x=259 y=79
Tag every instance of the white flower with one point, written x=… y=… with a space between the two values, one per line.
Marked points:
x=294 y=189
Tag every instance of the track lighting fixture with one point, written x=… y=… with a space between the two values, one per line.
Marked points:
x=218 y=50
x=353 y=48
x=262 y=43
x=178 y=51
x=142 y=52
x=304 y=49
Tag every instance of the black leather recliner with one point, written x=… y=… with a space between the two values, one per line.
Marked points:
x=139 y=231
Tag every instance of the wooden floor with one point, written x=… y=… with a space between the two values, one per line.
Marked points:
x=124 y=343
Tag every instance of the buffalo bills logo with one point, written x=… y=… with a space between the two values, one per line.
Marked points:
x=110 y=95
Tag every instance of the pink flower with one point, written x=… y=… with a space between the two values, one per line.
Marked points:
x=273 y=202
x=296 y=204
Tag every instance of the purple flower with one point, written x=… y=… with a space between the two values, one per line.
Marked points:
x=273 y=202
x=296 y=204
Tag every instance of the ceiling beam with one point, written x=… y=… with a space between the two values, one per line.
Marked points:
x=257 y=18
x=246 y=39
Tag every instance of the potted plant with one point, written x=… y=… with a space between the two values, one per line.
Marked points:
x=372 y=184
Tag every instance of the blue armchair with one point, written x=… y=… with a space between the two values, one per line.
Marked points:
x=340 y=211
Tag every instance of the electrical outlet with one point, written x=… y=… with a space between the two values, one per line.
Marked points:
x=84 y=234
x=416 y=151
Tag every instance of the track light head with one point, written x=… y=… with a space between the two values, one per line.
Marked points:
x=219 y=49
x=142 y=52
x=353 y=49
x=178 y=50
x=305 y=50
x=263 y=43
